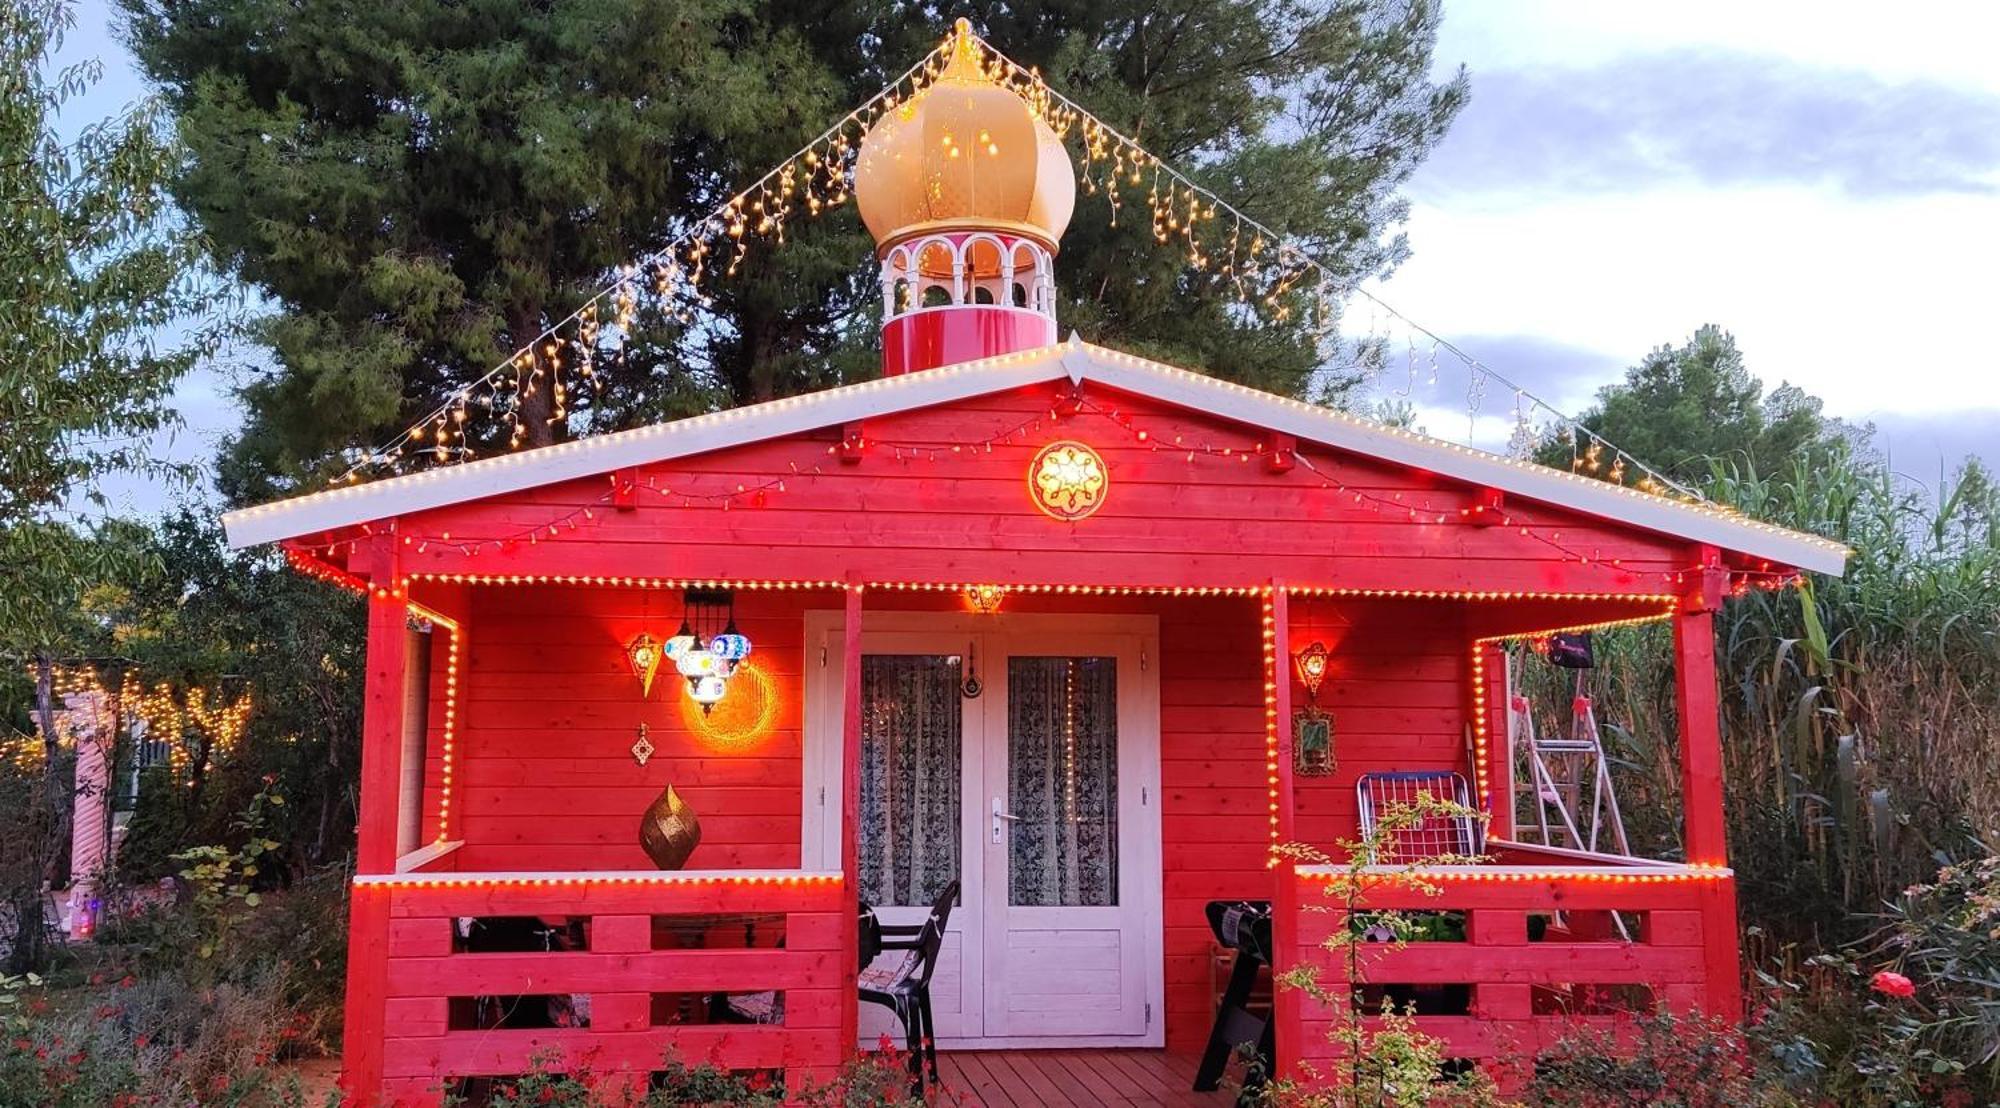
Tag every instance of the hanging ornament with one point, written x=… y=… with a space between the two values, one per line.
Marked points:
x=644 y=654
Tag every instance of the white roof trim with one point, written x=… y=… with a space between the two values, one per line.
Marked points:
x=1074 y=360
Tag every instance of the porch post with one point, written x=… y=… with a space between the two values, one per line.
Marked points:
x=375 y=823
x=850 y=812
x=1284 y=902
x=1700 y=720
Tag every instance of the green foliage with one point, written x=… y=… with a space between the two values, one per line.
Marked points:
x=423 y=187
x=1678 y=1062
x=1393 y=1061
x=121 y=1042
x=1684 y=409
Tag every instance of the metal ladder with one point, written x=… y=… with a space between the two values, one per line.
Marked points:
x=1567 y=781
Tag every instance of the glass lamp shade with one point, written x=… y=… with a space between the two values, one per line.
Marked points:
x=730 y=646
x=697 y=663
x=683 y=641
x=707 y=690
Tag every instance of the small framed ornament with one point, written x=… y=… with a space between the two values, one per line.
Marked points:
x=1312 y=743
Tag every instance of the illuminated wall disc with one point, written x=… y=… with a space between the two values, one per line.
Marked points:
x=1067 y=480
x=744 y=714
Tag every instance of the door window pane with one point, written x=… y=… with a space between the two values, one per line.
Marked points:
x=1062 y=787
x=911 y=747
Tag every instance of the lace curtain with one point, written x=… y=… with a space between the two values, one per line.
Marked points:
x=911 y=747
x=1062 y=757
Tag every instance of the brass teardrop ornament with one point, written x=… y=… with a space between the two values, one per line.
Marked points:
x=669 y=830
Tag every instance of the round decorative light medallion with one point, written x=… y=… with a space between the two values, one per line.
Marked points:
x=1067 y=480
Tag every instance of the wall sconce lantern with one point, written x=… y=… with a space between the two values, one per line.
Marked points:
x=1312 y=663
x=985 y=599
x=644 y=654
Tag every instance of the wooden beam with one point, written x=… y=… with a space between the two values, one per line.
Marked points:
x=625 y=489
x=850 y=809
x=1284 y=901
x=853 y=443
x=375 y=827
x=1704 y=840
x=1499 y=741
x=1284 y=453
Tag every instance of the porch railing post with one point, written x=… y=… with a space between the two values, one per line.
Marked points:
x=850 y=810
x=375 y=825
x=1284 y=901
x=1700 y=718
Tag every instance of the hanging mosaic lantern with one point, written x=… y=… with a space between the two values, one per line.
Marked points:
x=708 y=690
x=683 y=641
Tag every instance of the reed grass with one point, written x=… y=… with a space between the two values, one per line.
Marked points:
x=1861 y=714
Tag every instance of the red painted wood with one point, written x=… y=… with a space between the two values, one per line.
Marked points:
x=1704 y=840
x=850 y=795
x=375 y=851
x=1278 y=679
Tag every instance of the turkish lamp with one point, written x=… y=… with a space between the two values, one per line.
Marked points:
x=729 y=648
x=697 y=663
x=683 y=641
x=1312 y=663
x=706 y=691
x=643 y=654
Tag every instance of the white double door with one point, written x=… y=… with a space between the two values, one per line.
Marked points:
x=1018 y=755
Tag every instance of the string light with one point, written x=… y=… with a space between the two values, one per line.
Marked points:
x=598 y=878
x=448 y=727
x=1608 y=875
x=1262 y=269
x=1273 y=673
x=170 y=715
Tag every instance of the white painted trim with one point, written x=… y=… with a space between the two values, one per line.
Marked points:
x=602 y=877
x=1132 y=636
x=1074 y=359
x=425 y=855
x=1588 y=857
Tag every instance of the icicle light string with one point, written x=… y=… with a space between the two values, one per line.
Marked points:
x=1261 y=267
x=816 y=175
x=1246 y=262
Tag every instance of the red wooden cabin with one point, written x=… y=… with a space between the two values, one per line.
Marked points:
x=1024 y=614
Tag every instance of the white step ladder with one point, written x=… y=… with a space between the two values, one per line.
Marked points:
x=1567 y=781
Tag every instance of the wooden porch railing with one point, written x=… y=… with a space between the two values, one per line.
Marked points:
x=639 y=947
x=1609 y=938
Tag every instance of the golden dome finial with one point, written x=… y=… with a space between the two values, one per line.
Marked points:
x=964 y=153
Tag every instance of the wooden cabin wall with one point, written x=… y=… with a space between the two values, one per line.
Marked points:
x=1396 y=691
x=936 y=498
x=544 y=776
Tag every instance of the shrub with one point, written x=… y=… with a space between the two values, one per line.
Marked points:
x=1650 y=1059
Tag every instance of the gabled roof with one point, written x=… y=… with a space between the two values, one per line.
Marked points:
x=1074 y=360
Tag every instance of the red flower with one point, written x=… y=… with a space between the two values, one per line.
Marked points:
x=127 y=981
x=141 y=1041
x=1889 y=983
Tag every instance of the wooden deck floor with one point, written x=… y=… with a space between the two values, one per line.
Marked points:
x=1073 y=1079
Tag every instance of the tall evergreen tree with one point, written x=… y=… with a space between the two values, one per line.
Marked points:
x=1684 y=408
x=420 y=186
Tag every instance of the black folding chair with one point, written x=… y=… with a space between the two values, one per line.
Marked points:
x=904 y=986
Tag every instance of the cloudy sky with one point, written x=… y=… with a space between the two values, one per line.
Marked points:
x=1817 y=178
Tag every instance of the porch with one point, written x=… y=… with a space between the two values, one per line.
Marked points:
x=633 y=964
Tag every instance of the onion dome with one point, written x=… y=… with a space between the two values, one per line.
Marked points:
x=963 y=154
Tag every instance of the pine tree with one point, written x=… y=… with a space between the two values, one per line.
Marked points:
x=420 y=187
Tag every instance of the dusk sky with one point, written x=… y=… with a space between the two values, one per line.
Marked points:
x=1819 y=179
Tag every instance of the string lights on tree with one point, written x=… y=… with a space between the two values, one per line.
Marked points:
x=1263 y=270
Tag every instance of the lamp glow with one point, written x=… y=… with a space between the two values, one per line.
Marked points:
x=1312 y=663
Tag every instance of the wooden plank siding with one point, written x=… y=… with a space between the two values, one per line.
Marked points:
x=966 y=516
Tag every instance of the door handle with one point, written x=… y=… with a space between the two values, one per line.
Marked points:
x=1001 y=818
